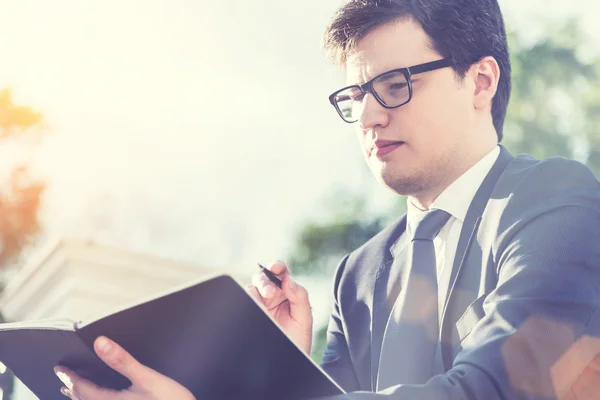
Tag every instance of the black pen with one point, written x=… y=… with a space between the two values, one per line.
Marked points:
x=272 y=277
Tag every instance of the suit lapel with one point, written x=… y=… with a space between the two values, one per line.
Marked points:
x=388 y=278
x=468 y=232
x=387 y=285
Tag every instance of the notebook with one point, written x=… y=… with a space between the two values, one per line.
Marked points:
x=210 y=336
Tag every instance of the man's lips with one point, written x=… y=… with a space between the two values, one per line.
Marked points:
x=382 y=147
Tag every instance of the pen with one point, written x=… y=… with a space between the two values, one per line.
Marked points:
x=271 y=276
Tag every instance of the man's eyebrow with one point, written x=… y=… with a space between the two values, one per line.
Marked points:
x=381 y=79
x=389 y=75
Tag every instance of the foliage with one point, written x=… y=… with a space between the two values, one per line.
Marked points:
x=554 y=102
x=345 y=226
x=20 y=192
x=320 y=244
x=15 y=119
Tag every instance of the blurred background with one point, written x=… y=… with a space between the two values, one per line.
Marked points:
x=199 y=134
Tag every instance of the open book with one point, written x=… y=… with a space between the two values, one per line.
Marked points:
x=211 y=336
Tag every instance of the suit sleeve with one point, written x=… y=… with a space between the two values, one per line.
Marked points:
x=336 y=358
x=541 y=324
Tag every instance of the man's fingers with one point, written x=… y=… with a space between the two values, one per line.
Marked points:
x=295 y=293
x=267 y=293
x=68 y=393
x=253 y=292
x=298 y=297
x=86 y=390
x=65 y=375
x=121 y=361
x=279 y=268
x=266 y=288
x=77 y=388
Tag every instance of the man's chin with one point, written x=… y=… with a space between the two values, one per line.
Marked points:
x=401 y=185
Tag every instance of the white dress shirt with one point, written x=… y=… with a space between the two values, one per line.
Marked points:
x=455 y=200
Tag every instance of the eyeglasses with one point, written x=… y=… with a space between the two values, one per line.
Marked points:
x=392 y=89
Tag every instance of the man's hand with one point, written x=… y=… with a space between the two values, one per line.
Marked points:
x=289 y=306
x=147 y=384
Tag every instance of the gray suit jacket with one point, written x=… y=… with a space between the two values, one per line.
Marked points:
x=521 y=318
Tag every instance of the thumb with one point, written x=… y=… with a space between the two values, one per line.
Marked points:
x=121 y=361
x=297 y=295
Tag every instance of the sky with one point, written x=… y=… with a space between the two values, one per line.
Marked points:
x=178 y=127
x=193 y=130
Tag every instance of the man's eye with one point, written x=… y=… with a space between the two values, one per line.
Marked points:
x=358 y=97
x=398 y=86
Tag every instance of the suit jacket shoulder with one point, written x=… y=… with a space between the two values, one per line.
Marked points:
x=529 y=188
x=542 y=180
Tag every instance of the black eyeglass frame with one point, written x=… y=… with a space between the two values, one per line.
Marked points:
x=367 y=87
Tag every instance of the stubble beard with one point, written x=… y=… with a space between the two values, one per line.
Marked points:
x=412 y=183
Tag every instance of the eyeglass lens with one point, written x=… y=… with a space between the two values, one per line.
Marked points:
x=391 y=89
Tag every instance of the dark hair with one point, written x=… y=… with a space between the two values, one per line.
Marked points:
x=465 y=30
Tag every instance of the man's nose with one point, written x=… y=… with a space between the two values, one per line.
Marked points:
x=372 y=114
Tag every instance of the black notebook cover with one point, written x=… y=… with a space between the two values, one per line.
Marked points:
x=210 y=337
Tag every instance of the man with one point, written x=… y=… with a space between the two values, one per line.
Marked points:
x=489 y=287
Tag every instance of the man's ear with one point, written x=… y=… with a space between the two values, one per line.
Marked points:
x=486 y=74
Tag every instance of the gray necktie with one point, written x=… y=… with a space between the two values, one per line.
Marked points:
x=411 y=336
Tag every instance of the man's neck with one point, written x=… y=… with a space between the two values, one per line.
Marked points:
x=424 y=200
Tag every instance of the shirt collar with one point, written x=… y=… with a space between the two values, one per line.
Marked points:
x=457 y=197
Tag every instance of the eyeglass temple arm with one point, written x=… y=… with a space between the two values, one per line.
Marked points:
x=430 y=66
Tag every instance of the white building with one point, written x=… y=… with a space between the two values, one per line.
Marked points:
x=79 y=280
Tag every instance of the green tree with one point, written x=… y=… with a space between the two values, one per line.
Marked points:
x=554 y=103
x=20 y=192
x=344 y=227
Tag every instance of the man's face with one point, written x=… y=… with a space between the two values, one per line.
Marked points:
x=430 y=132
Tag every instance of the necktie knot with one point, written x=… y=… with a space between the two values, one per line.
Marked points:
x=429 y=226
